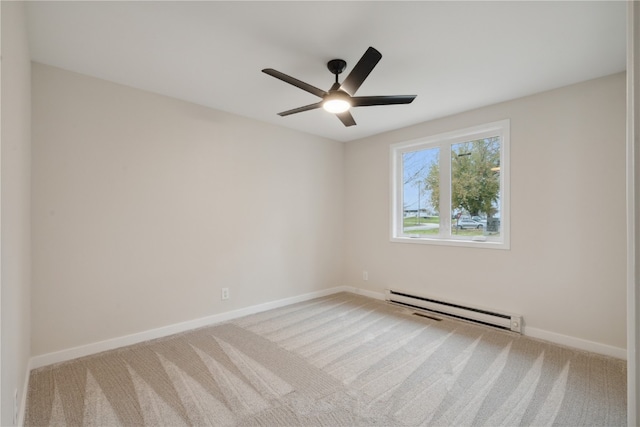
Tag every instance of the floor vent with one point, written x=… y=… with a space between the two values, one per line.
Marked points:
x=501 y=320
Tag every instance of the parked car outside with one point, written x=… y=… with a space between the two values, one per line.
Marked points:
x=480 y=219
x=468 y=223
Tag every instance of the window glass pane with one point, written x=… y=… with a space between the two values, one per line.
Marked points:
x=475 y=188
x=420 y=195
x=451 y=189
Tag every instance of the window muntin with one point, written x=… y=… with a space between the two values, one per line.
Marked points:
x=453 y=188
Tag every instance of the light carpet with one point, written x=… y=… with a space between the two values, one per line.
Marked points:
x=341 y=360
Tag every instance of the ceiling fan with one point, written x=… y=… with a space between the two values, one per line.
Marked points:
x=340 y=97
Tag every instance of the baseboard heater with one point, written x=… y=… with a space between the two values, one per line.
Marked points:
x=508 y=321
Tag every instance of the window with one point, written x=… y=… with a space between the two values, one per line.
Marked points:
x=452 y=188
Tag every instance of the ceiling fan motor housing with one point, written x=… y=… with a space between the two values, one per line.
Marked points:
x=337 y=66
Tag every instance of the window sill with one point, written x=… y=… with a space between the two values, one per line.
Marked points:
x=485 y=244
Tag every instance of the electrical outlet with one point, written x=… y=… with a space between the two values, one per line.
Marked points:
x=15 y=406
x=225 y=293
x=365 y=275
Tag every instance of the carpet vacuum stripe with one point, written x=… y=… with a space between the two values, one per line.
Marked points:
x=340 y=360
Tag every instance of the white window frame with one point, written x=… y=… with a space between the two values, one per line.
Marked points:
x=444 y=141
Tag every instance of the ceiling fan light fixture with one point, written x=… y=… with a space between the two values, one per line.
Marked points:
x=336 y=102
x=336 y=105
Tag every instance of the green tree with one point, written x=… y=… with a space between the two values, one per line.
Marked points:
x=432 y=183
x=475 y=183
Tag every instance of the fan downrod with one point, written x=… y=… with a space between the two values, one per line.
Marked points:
x=337 y=66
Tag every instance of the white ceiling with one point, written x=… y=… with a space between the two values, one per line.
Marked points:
x=455 y=56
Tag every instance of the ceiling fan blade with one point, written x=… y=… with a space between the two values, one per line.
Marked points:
x=360 y=72
x=295 y=82
x=301 y=109
x=346 y=118
x=366 y=101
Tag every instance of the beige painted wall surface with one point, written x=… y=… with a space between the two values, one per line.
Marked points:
x=565 y=271
x=144 y=207
x=15 y=222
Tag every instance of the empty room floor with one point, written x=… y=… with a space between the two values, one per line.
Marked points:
x=340 y=360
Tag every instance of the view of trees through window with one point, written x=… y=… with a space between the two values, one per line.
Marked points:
x=472 y=192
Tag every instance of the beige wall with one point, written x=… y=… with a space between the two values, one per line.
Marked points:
x=144 y=207
x=15 y=212
x=565 y=272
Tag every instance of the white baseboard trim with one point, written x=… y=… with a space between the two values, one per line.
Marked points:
x=577 y=343
x=110 y=344
x=22 y=410
x=113 y=343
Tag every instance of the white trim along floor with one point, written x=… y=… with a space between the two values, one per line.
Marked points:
x=100 y=346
